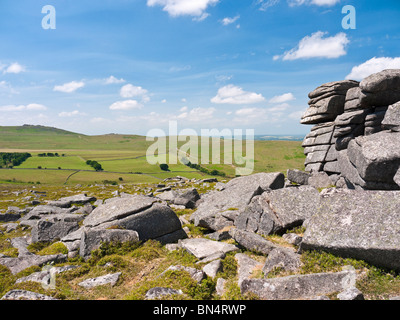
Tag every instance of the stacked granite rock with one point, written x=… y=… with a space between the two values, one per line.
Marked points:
x=347 y=137
x=326 y=103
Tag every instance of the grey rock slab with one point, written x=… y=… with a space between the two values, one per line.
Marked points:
x=246 y=266
x=283 y=258
x=252 y=241
x=108 y=279
x=117 y=209
x=297 y=287
x=202 y=248
x=68 y=201
x=363 y=225
x=160 y=292
x=333 y=86
x=44 y=276
x=211 y=269
x=279 y=210
x=47 y=231
x=21 y=263
x=195 y=274
x=298 y=177
x=237 y=194
x=25 y=295
x=351 y=294
x=392 y=118
x=93 y=238
x=382 y=81
x=319 y=180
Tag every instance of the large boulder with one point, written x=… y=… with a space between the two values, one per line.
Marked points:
x=279 y=210
x=66 y=202
x=376 y=158
x=145 y=215
x=236 y=195
x=298 y=287
x=363 y=225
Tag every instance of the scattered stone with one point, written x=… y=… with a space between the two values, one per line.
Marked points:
x=282 y=258
x=212 y=268
x=292 y=238
x=195 y=274
x=159 y=292
x=298 y=177
x=108 y=279
x=252 y=241
x=202 y=248
x=246 y=266
x=351 y=294
x=296 y=287
x=68 y=201
x=220 y=287
x=25 y=295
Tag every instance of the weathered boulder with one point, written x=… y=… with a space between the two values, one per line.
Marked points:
x=297 y=176
x=246 y=266
x=108 y=279
x=160 y=292
x=21 y=263
x=362 y=225
x=68 y=201
x=298 y=286
x=279 y=210
x=252 y=241
x=91 y=239
x=237 y=195
x=25 y=295
x=151 y=220
x=47 y=230
x=283 y=258
x=391 y=120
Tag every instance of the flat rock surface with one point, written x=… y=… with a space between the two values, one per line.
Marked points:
x=202 y=248
x=363 y=225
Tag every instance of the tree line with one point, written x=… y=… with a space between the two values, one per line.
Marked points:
x=9 y=160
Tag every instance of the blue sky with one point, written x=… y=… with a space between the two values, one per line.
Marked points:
x=129 y=66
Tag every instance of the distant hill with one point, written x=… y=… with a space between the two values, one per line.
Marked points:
x=32 y=137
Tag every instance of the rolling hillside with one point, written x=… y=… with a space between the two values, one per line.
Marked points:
x=123 y=158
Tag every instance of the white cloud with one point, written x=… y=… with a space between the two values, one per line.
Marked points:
x=279 y=108
x=197 y=114
x=227 y=21
x=69 y=87
x=14 y=68
x=114 y=80
x=231 y=94
x=164 y=101
x=177 y=8
x=29 y=107
x=183 y=109
x=373 y=65
x=126 y=105
x=283 y=98
x=74 y=113
x=130 y=91
x=316 y=46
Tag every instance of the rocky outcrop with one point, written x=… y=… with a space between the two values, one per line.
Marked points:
x=344 y=138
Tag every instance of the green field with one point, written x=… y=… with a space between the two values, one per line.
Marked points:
x=122 y=157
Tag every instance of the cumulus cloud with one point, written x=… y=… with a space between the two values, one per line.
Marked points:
x=227 y=21
x=130 y=91
x=29 y=107
x=231 y=94
x=14 y=68
x=197 y=114
x=283 y=98
x=373 y=65
x=125 y=105
x=175 y=8
x=318 y=46
x=69 y=87
x=74 y=113
x=114 y=80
